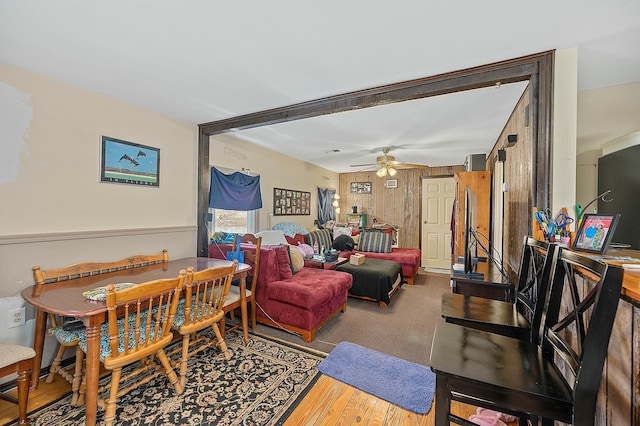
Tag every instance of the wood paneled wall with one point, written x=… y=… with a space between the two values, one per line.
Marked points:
x=401 y=206
x=396 y=206
x=518 y=177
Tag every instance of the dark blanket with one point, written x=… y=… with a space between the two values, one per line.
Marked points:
x=374 y=278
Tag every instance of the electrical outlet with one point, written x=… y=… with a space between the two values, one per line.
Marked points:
x=16 y=317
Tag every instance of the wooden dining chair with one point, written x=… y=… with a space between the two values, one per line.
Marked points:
x=200 y=308
x=234 y=298
x=68 y=337
x=555 y=379
x=520 y=318
x=138 y=328
x=17 y=359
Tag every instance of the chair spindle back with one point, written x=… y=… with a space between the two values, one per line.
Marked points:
x=147 y=312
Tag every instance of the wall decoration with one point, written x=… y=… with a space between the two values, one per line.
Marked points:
x=130 y=163
x=391 y=183
x=361 y=187
x=288 y=202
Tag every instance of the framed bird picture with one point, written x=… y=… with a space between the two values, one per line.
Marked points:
x=129 y=163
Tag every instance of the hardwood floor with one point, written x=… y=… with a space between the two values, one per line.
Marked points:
x=329 y=402
x=42 y=396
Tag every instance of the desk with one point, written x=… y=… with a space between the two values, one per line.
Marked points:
x=493 y=286
x=65 y=298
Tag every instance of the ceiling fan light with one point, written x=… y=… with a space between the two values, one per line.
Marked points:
x=392 y=171
x=382 y=172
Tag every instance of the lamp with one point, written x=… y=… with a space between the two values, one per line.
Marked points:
x=383 y=171
x=335 y=203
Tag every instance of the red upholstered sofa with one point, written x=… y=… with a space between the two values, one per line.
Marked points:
x=301 y=302
x=409 y=258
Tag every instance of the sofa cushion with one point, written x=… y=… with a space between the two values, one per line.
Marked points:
x=297 y=239
x=295 y=256
x=310 y=287
x=375 y=241
x=322 y=237
x=284 y=264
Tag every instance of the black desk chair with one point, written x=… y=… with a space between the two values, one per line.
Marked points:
x=520 y=318
x=555 y=379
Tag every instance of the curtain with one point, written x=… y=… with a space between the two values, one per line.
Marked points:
x=236 y=191
x=326 y=211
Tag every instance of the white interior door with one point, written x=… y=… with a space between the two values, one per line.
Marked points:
x=438 y=197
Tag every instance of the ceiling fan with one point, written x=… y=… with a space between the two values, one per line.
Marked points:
x=388 y=165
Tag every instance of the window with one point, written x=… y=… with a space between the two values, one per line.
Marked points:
x=233 y=221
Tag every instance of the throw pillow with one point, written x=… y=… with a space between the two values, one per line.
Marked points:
x=305 y=249
x=375 y=241
x=290 y=228
x=284 y=264
x=339 y=230
x=297 y=262
x=321 y=237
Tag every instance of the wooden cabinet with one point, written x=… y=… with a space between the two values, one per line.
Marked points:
x=357 y=220
x=480 y=184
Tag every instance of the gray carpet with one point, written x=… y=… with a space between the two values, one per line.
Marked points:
x=404 y=329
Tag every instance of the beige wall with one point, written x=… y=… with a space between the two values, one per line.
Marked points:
x=54 y=210
x=276 y=171
x=603 y=115
x=565 y=89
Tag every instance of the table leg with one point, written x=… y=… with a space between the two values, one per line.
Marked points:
x=92 y=372
x=38 y=346
x=243 y=307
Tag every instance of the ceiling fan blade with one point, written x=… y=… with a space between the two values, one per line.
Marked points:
x=410 y=166
x=363 y=165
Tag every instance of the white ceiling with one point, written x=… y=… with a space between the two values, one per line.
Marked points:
x=206 y=60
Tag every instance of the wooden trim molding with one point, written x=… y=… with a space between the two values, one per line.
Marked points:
x=82 y=235
x=536 y=68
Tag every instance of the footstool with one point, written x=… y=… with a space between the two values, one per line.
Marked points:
x=375 y=279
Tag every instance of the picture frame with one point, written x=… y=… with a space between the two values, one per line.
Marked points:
x=595 y=232
x=391 y=183
x=289 y=202
x=129 y=163
x=360 y=187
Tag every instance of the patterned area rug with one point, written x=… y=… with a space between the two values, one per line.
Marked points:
x=259 y=385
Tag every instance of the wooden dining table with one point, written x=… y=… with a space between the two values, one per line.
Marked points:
x=65 y=298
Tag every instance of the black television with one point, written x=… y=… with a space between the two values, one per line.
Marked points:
x=618 y=172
